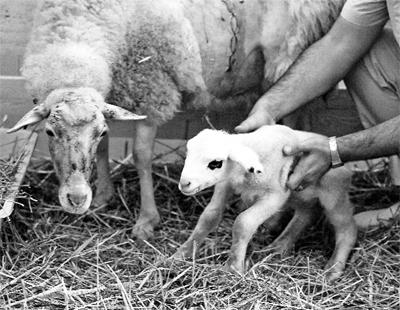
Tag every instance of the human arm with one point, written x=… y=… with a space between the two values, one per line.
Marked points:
x=377 y=141
x=316 y=71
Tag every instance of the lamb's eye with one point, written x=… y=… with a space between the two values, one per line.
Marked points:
x=103 y=133
x=50 y=133
x=215 y=164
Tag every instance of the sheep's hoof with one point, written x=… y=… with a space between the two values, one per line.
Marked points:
x=333 y=270
x=103 y=195
x=184 y=252
x=234 y=267
x=143 y=232
x=282 y=249
x=180 y=255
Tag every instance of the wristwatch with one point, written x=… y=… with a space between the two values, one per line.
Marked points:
x=335 y=158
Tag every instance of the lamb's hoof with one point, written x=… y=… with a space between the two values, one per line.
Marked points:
x=180 y=255
x=143 y=232
x=333 y=271
x=103 y=196
x=236 y=268
x=281 y=249
x=183 y=253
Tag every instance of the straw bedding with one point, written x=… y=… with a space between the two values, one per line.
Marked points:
x=53 y=260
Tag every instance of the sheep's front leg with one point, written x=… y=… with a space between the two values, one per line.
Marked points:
x=246 y=225
x=142 y=153
x=339 y=211
x=209 y=220
x=303 y=216
x=104 y=186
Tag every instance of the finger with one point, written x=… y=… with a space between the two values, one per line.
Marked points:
x=289 y=150
x=305 y=146
x=298 y=175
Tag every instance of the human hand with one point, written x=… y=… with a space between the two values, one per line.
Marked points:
x=315 y=161
x=258 y=116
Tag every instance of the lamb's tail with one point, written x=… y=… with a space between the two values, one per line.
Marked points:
x=373 y=218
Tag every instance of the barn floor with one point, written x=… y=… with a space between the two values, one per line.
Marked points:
x=53 y=260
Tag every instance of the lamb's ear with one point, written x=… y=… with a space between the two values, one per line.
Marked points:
x=34 y=116
x=247 y=158
x=113 y=112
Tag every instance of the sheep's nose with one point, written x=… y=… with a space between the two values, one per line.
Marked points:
x=184 y=184
x=76 y=200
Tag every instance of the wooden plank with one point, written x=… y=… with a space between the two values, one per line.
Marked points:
x=26 y=152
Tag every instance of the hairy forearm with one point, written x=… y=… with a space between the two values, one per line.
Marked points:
x=378 y=141
x=300 y=85
x=319 y=68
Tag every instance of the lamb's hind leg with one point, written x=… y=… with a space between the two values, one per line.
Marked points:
x=208 y=221
x=104 y=186
x=339 y=212
x=246 y=225
x=304 y=214
x=142 y=153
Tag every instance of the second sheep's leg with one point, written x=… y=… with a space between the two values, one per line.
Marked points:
x=208 y=222
x=246 y=225
x=339 y=211
x=104 y=186
x=304 y=214
x=142 y=153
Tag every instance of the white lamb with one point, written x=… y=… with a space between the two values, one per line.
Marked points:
x=254 y=166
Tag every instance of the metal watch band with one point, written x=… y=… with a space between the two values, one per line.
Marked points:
x=335 y=158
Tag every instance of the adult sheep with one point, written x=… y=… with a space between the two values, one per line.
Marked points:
x=148 y=57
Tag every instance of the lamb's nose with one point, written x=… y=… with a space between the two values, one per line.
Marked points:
x=184 y=184
x=76 y=200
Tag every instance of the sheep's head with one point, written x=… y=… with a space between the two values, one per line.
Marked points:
x=75 y=124
x=209 y=160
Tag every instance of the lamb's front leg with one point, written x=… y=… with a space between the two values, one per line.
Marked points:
x=247 y=223
x=208 y=221
x=104 y=186
x=142 y=153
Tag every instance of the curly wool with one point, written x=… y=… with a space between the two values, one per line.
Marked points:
x=187 y=46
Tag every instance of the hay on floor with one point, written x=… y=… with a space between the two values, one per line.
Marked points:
x=53 y=260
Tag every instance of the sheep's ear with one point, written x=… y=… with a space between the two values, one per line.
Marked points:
x=113 y=112
x=34 y=116
x=247 y=158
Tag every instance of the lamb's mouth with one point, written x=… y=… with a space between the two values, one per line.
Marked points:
x=191 y=192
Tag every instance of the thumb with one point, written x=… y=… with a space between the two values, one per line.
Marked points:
x=251 y=123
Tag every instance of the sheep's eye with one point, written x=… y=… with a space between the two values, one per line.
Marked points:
x=215 y=164
x=50 y=133
x=103 y=133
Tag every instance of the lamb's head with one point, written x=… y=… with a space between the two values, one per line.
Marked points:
x=211 y=157
x=75 y=124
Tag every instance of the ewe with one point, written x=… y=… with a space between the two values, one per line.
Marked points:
x=254 y=166
x=149 y=57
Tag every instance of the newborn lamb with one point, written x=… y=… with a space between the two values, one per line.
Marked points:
x=254 y=166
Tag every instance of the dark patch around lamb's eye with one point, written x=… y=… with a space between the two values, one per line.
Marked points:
x=215 y=164
x=50 y=133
